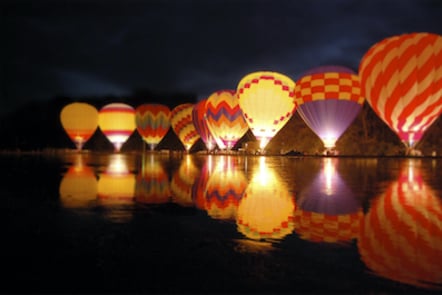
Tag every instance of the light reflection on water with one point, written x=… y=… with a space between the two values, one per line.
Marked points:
x=387 y=207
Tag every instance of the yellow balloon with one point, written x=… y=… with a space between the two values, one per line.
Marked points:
x=79 y=120
x=267 y=102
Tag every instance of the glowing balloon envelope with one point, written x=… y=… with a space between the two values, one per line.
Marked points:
x=267 y=101
x=153 y=123
x=225 y=118
x=401 y=80
x=182 y=124
x=79 y=120
x=117 y=122
x=328 y=100
x=401 y=234
x=201 y=126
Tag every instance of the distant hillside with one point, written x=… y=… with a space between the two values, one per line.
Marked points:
x=37 y=126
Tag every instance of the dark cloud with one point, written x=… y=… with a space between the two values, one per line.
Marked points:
x=80 y=48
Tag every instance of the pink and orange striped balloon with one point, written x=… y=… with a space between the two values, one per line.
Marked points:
x=201 y=125
x=117 y=122
x=401 y=78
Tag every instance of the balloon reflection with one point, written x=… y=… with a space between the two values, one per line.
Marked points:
x=78 y=187
x=266 y=209
x=401 y=236
x=327 y=210
x=116 y=186
x=152 y=183
x=199 y=187
x=225 y=188
x=182 y=182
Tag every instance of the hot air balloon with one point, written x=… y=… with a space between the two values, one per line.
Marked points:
x=225 y=118
x=401 y=234
x=267 y=101
x=152 y=122
x=182 y=125
x=328 y=99
x=117 y=122
x=327 y=210
x=79 y=120
x=201 y=126
x=401 y=80
x=266 y=208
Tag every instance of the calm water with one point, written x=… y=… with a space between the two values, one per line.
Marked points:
x=132 y=223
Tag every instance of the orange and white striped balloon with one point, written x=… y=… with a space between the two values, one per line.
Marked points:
x=181 y=121
x=117 y=122
x=401 y=79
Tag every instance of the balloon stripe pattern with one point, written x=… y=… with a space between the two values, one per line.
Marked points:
x=328 y=100
x=318 y=227
x=225 y=117
x=330 y=85
x=153 y=122
x=401 y=78
x=117 y=122
x=267 y=101
x=182 y=124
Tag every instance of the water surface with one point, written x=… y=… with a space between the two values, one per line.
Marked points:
x=160 y=223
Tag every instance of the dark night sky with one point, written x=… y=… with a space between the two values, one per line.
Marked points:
x=86 y=48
